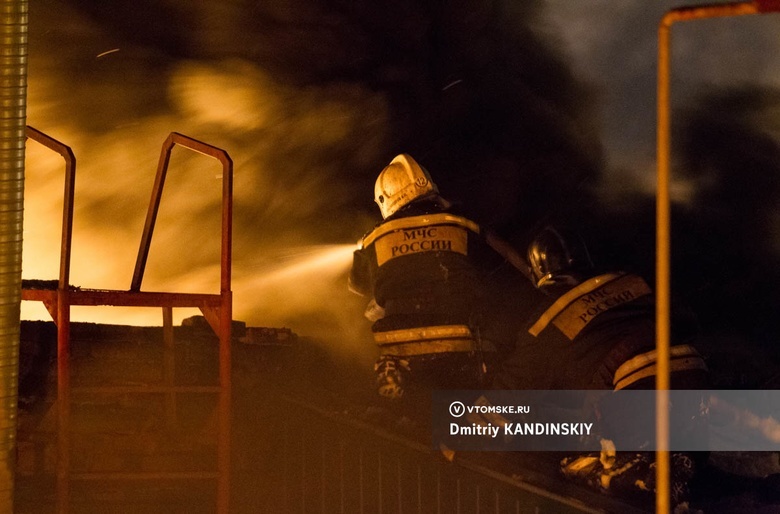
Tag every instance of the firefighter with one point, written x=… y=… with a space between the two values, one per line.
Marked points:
x=422 y=268
x=596 y=330
x=592 y=330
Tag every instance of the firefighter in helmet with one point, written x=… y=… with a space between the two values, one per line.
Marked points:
x=596 y=330
x=421 y=269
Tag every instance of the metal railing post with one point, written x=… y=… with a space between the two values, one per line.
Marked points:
x=663 y=221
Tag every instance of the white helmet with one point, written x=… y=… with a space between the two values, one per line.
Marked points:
x=402 y=181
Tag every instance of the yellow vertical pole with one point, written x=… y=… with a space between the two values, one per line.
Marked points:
x=663 y=221
x=662 y=285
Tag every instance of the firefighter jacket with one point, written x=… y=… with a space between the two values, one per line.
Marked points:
x=599 y=335
x=424 y=266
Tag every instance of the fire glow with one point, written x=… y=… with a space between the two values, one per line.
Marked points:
x=277 y=208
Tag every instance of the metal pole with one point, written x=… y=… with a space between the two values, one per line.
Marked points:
x=663 y=222
x=13 y=113
x=662 y=286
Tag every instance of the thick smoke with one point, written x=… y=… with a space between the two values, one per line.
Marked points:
x=506 y=103
x=472 y=88
x=311 y=99
x=114 y=103
x=614 y=45
x=729 y=147
x=724 y=117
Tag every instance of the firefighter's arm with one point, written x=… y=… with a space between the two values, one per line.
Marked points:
x=360 y=275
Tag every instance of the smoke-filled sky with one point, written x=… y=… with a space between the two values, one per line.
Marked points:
x=613 y=45
x=726 y=149
x=520 y=110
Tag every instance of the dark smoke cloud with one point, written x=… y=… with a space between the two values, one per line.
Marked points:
x=311 y=99
x=507 y=103
x=729 y=147
x=296 y=149
x=725 y=136
x=614 y=44
x=473 y=91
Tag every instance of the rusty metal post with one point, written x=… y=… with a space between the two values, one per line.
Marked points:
x=169 y=367
x=663 y=220
x=225 y=336
x=58 y=305
x=224 y=404
x=63 y=401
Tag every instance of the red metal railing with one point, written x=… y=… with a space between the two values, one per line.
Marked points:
x=216 y=308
